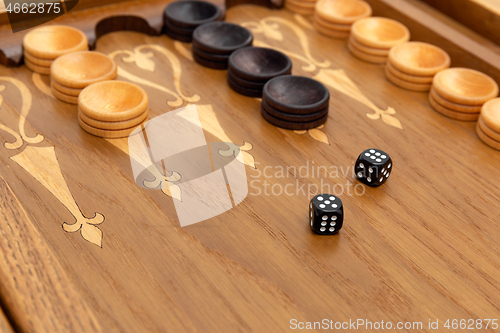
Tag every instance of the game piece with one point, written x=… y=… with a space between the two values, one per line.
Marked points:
x=259 y=64
x=486 y=139
x=341 y=11
x=330 y=25
x=244 y=90
x=304 y=10
x=210 y=56
x=80 y=69
x=330 y=32
x=36 y=68
x=191 y=14
x=451 y=113
x=292 y=116
x=37 y=61
x=209 y=63
x=379 y=32
x=465 y=86
x=406 y=84
x=366 y=56
x=221 y=37
x=52 y=41
x=407 y=77
x=488 y=130
x=292 y=125
x=109 y=134
x=113 y=101
x=417 y=58
x=296 y=94
x=179 y=37
x=326 y=214
x=490 y=114
x=454 y=106
x=369 y=50
x=245 y=83
x=65 y=90
x=114 y=125
x=373 y=167
x=63 y=97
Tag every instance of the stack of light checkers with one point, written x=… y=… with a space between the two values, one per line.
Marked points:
x=251 y=67
x=334 y=18
x=460 y=93
x=304 y=7
x=214 y=42
x=43 y=45
x=295 y=102
x=181 y=18
x=412 y=65
x=488 y=125
x=112 y=109
x=73 y=72
x=372 y=38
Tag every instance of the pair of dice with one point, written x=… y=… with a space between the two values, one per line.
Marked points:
x=326 y=213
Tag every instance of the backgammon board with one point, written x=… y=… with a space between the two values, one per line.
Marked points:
x=84 y=249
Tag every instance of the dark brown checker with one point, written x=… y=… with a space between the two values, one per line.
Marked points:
x=291 y=125
x=292 y=116
x=221 y=37
x=259 y=64
x=210 y=56
x=244 y=90
x=243 y=82
x=209 y=63
x=296 y=94
x=191 y=13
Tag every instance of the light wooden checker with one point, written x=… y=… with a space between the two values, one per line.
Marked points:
x=465 y=86
x=369 y=50
x=405 y=84
x=308 y=5
x=454 y=106
x=299 y=10
x=452 y=114
x=36 y=68
x=490 y=113
x=113 y=101
x=114 y=125
x=37 y=61
x=63 y=97
x=410 y=78
x=51 y=41
x=417 y=58
x=343 y=12
x=485 y=138
x=488 y=130
x=329 y=32
x=380 y=32
x=65 y=90
x=330 y=25
x=81 y=69
x=108 y=134
x=365 y=56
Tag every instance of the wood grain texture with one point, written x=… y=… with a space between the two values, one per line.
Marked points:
x=34 y=286
x=5 y=326
x=480 y=15
x=424 y=245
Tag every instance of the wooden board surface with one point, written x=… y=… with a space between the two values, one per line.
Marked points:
x=423 y=246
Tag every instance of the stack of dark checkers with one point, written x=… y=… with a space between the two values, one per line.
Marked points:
x=214 y=42
x=488 y=125
x=183 y=17
x=251 y=67
x=295 y=102
x=460 y=93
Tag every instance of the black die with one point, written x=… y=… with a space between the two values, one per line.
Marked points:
x=373 y=167
x=326 y=214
